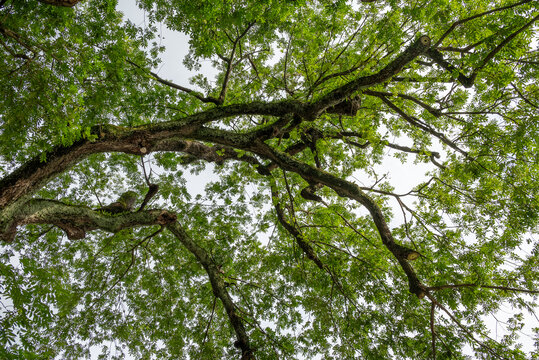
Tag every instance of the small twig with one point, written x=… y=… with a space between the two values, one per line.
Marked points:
x=285 y=67
x=44 y=232
x=528 y=101
x=433 y=332
x=93 y=189
x=146 y=177
x=417 y=123
x=230 y=63
x=424 y=105
x=121 y=275
x=132 y=250
x=456 y=286
x=209 y=323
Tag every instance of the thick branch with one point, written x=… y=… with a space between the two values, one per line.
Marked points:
x=76 y=220
x=33 y=174
x=140 y=141
x=65 y=3
x=417 y=48
x=340 y=186
x=219 y=289
x=347 y=189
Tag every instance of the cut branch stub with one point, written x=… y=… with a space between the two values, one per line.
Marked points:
x=348 y=107
x=403 y=252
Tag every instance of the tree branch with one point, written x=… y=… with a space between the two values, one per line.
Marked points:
x=468 y=81
x=34 y=173
x=417 y=48
x=417 y=123
x=304 y=246
x=465 y=20
x=432 y=331
x=462 y=327
x=430 y=109
x=347 y=189
x=139 y=141
x=176 y=86
x=219 y=289
x=230 y=64
x=457 y=286
x=76 y=220
x=65 y=3
x=152 y=190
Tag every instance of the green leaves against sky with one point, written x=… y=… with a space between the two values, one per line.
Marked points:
x=308 y=240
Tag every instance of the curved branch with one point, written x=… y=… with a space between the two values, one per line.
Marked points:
x=230 y=64
x=342 y=187
x=204 y=99
x=291 y=229
x=417 y=123
x=34 y=173
x=139 y=141
x=345 y=188
x=505 y=41
x=430 y=109
x=219 y=289
x=462 y=327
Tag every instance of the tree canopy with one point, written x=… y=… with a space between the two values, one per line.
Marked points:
x=304 y=243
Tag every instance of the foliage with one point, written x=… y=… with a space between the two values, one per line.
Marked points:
x=304 y=241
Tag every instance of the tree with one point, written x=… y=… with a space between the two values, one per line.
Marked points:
x=295 y=249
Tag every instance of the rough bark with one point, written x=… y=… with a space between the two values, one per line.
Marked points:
x=143 y=139
x=345 y=188
x=65 y=3
x=165 y=136
x=76 y=220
